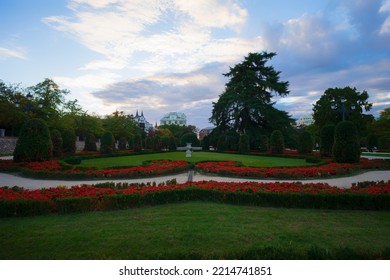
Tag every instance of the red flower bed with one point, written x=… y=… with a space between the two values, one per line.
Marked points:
x=251 y=187
x=231 y=168
x=156 y=167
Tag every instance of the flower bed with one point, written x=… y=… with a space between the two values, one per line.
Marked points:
x=53 y=169
x=232 y=168
x=107 y=196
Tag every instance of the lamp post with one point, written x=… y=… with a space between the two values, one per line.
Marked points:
x=29 y=106
x=335 y=106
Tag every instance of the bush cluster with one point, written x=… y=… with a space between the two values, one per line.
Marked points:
x=346 y=147
x=34 y=142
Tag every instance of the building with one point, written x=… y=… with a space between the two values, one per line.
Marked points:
x=142 y=122
x=174 y=118
x=305 y=120
x=205 y=132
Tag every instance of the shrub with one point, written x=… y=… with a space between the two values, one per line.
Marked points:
x=122 y=145
x=276 y=142
x=372 y=141
x=189 y=138
x=327 y=140
x=90 y=143
x=222 y=144
x=384 y=142
x=69 y=142
x=263 y=143
x=305 y=143
x=34 y=142
x=346 y=147
x=107 y=143
x=243 y=144
x=56 y=139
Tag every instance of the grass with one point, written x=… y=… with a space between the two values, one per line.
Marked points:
x=247 y=160
x=203 y=230
x=377 y=154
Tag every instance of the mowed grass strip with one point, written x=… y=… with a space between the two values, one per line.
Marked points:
x=201 y=229
x=247 y=160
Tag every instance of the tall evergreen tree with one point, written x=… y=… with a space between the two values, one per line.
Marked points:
x=246 y=103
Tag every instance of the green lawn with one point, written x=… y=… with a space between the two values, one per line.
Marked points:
x=248 y=160
x=192 y=230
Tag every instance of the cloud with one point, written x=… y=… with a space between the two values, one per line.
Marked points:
x=176 y=33
x=191 y=93
x=6 y=53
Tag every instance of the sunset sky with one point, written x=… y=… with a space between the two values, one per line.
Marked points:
x=158 y=56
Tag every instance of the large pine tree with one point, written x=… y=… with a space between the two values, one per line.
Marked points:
x=246 y=104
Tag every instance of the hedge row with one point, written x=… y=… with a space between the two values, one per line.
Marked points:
x=344 y=201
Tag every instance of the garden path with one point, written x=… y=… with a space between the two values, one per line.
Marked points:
x=343 y=182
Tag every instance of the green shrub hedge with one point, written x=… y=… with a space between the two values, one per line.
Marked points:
x=339 y=201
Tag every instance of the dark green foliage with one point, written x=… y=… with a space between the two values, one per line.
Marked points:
x=75 y=204
x=73 y=160
x=69 y=142
x=34 y=142
x=384 y=143
x=243 y=146
x=327 y=140
x=138 y=145
x=346 y=148
x=122 y=144
x=246 y=103
x=107 y=145
x=56 y=139
x=24 y=207
x=222 y=143
x=263 y=143
x=305 y=143
x=205 y=143
x=277 y=142
x=90 y=143
x=372 y=141
x=189 y=138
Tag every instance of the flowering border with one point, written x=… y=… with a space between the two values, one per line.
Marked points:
x=21 y=202
x=233 y=169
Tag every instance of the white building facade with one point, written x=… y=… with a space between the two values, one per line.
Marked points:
x=174 y=118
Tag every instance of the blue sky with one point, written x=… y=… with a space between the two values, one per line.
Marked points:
x=158 y=56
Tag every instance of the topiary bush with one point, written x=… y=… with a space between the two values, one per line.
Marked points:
x=56 y=139
x=69 y=142
x=189 y=138
x=122 y=143
x=327 y=140
x=276 y=142
x=305 y=143
x=34 y=142
x=263 y=143
x=243 y=144
x=107 y=145
x=90 y=143
x=346 y=147
x=222 y=143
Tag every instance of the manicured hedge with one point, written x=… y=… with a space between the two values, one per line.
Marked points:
x=109 y=200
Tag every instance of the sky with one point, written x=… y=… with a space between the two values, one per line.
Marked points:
x=159 y=56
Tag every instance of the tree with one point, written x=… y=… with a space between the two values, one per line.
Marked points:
x=346 y=147
x=56 y=139
x=243 y=146
x=305 y=143
x=338 y=104
x=69 y=142
x=189 y=138
x=327 y=140
x=34 y=142
x=90 y=142
x=107 y=145
x=120 y=125
x=245 y=105
x=52 y=98
x=277 y=142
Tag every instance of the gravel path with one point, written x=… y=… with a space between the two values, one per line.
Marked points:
x=344 y=182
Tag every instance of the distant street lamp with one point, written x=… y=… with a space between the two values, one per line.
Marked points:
x=335 y=106
x=29 y=106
